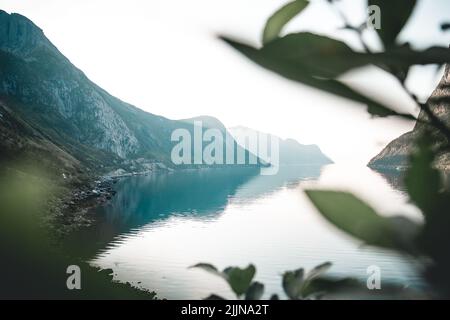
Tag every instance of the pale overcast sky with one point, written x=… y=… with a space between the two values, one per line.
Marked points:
x=164 y=57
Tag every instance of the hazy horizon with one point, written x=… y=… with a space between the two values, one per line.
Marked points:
x=143 y=52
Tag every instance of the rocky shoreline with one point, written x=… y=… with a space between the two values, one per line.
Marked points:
x=74 y=209
x=101 y=191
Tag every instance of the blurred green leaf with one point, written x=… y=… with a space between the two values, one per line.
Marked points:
x=423 y=182
x=399 y=59
x=356 y=218
x=406 y=232
x=318 y=271
x=279 y=19
x=255 y=291
x=315 y=54
x=209 y=268
x=394 y=15
x=428 y=191
x=404 y=56
x=240 y=279
x=34 y=266
x=293 y=283
x=298 y=71
x=381 y=111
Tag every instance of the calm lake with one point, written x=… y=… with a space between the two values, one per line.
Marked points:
x=159 y=225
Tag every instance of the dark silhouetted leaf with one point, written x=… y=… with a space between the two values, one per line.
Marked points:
x=255 y=291
x=406 y=231
x=376 y=110
x=423 y=182
x=240 y=279
x=316 y=55
x=301 y=73
x=318 y=271
x=355 y=217
x=405 y=57
x=293 y=283
x=394 y=15
x=209 y=268
x=279 y=19
x=445 y=26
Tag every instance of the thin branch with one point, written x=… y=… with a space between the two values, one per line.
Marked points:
x=433 y=119
x=348 y=25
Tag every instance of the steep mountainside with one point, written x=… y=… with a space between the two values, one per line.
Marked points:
x=45 y=90
x=23 y=145
x=291 y=151
x=395 y=154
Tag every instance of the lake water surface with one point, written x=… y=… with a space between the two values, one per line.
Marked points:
x=159 y=225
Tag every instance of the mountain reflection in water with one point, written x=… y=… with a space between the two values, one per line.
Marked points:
x=158 y=225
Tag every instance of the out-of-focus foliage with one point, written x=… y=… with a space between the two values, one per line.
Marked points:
x=302 y=285
x=318 y=61
x=297 y=284
x=279 y=19
x=395 y=15
x=308 y=74
x=339 y=208
x=423 y=182
x=32 y=265
x=427 y=190
x=239 y=280
x=430 y=240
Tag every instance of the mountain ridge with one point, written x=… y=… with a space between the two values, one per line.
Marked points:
x=54 y=97
x=291 y=151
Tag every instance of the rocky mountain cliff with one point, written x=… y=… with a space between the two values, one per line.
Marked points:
x=42 y=88
x=21 y=144
x=395 y=154
x=291 y=152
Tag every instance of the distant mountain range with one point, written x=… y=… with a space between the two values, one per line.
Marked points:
x=395 y=154
x=291 y=152
x=50 y=110
x=51 y=114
